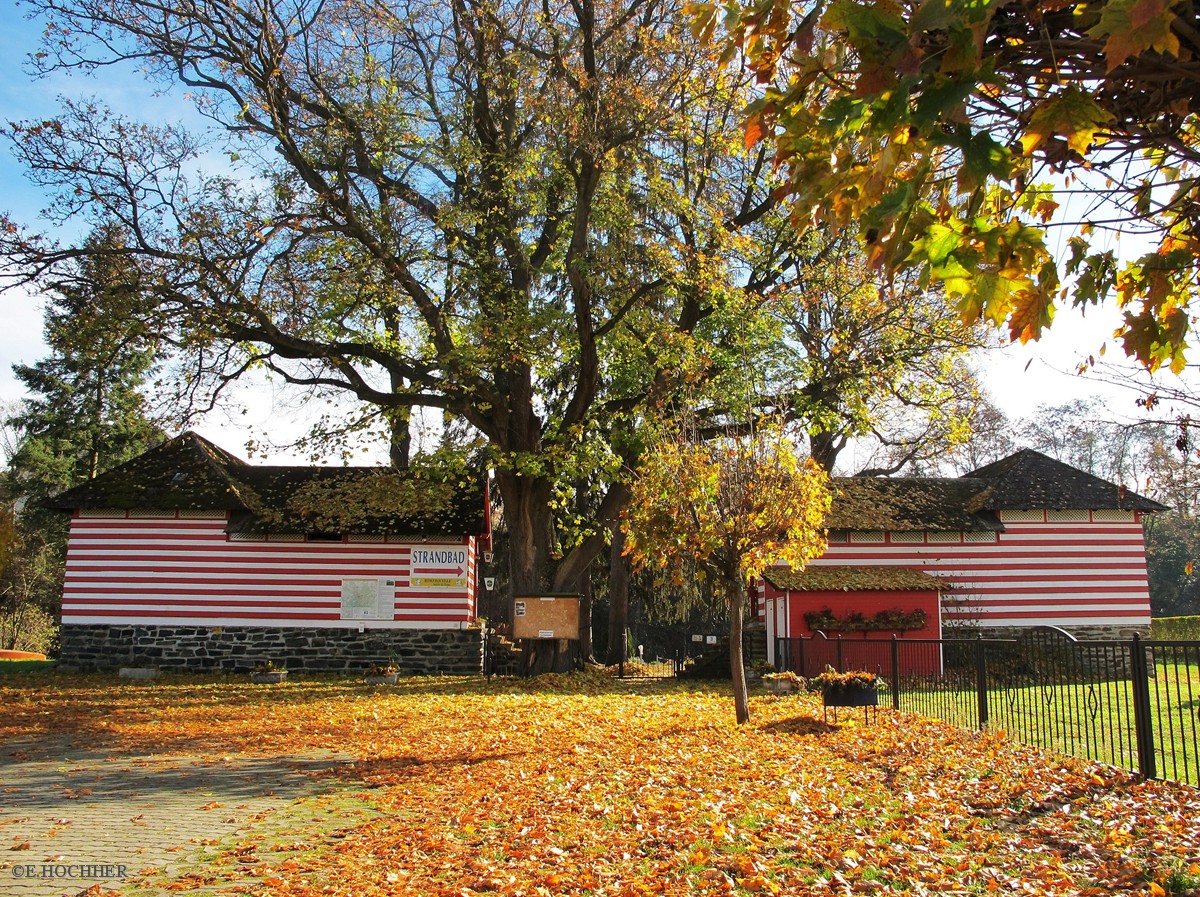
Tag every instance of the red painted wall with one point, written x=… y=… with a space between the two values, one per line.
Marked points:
x=860 y=650
x=866 y=603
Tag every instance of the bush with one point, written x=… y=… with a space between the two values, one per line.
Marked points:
x=1181 y=628
x=26 y=627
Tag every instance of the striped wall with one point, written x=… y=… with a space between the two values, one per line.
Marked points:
x=181 y=568
x=1056 y=568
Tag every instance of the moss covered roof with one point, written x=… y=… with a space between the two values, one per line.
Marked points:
x=855 y=579
x=190 y=473
x=909 y=503
x=1029 y=480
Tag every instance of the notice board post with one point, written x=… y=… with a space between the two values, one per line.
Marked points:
x=547 y=629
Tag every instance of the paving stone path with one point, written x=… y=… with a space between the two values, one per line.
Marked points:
x=71 y=818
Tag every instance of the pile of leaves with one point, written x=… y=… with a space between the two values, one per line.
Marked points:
x=595 y=787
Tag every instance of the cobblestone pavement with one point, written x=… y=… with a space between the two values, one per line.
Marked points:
x=71 y=818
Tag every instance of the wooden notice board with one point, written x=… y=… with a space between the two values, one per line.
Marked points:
x=546 y=616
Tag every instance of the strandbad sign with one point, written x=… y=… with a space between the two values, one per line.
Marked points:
x=439 y=568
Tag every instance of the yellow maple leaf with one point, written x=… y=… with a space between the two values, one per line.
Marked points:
x=1072 y=115
x=1131 y=27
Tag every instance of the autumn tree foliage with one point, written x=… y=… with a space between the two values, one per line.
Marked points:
x=473 y=211
x=863 y=356
x=958 y=134
x=725 y=510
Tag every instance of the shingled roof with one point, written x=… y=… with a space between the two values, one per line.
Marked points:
x=820 y=578
x=190 y=473
x=1025 y=481
x=1029 y=480
x=909 y=504
x=186 y=473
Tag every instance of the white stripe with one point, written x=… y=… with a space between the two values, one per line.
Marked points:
x=1066 y=622
x=1131 y=606
x=403 y=600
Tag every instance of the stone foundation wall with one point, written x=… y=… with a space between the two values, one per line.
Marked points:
x=239 y=648
x=1083 y=633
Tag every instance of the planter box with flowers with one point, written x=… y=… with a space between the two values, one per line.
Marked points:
x=781 y=683
x=382 y=674
x=266 y=673
x=855 y=688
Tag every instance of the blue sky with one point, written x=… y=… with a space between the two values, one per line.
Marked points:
x=1020 y=378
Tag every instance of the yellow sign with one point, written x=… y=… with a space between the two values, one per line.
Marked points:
x=439 y=582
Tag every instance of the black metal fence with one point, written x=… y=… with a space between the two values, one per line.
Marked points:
x=658 y=651
x=656 y=668
x=1133 y=703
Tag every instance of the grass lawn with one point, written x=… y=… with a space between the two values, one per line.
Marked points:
x=1095 y=721
x=582 y=785
x=17 y=667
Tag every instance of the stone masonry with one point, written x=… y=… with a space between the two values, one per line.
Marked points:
x=240 y=648
x=1083 y=633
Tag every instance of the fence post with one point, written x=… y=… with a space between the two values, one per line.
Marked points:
x=1143 y=719
x=800 y=658
x=981 y=681
x=841 y=664
x=895 y=672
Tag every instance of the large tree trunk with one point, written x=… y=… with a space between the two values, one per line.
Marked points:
x=527 y=515
x=737 y=609
x=586 y=594
x=824 y=448
x=400 y=434
x=618 y=598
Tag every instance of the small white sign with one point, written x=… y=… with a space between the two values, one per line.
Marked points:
x=545 y=633
x=710 y=640
x=489 y=582
x=519 y=609
x=696 y=637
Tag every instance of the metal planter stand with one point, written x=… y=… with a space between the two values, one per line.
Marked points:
x=864 y=696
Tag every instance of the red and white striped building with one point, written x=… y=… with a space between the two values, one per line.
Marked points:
x=1027 y=541
x=191 y=544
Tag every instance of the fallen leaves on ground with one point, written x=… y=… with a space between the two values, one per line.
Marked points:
x=577 y=787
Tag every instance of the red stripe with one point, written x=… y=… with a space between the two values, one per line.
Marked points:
x=233 y=549
x=1059 y=613
x=217 y=590
x=148 y=573
x=1047 y=590
x=984 y=601
x=197 y=602
x=166 y=612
